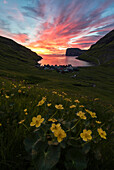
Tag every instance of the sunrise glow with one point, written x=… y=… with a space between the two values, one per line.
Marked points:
x=51 y=26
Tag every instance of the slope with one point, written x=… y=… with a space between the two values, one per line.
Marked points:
x=102 y=52
x=15 y=57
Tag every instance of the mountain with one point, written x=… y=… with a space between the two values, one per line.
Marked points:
x=102 y=52
x=14 y=56
x=74 y=52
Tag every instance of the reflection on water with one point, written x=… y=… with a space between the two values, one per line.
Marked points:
x=62 y=60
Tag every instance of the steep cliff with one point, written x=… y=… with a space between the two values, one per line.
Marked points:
x=74 y=52
x=102 y=52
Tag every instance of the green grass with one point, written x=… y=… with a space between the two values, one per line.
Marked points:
x=93 y=87
x=42 y=83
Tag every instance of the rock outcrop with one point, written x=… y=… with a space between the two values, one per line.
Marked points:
x=74 y=52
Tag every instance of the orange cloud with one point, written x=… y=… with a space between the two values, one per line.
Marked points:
x=22 y=38
x=53 y=26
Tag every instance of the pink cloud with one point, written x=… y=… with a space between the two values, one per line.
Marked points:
x=22 y=38
x=19 y=37
x=16 y=14
x=5 y=2
x=77 y=26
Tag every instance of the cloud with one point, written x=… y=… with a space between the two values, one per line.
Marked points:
x=23 y=38
x=4 y=25
x=18 y=37
x=15 y=14
x=67 y=25
x=5 y=2
x=37 y=11
x=56 y=25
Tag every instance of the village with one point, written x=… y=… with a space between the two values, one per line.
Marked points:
x=61 y=68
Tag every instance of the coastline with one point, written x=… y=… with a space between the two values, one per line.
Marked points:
x=92 y=63
x=59 y=60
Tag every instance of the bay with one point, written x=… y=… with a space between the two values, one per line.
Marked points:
x=63 y=60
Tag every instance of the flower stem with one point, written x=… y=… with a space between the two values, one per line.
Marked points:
x=25 y=126
x=53 y=115
x=74 y=126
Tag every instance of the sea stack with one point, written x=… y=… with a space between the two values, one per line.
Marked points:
x=74 y=52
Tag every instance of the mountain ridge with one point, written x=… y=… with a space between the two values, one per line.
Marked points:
x=16 y=47
x=15 y=57
x=102 y=52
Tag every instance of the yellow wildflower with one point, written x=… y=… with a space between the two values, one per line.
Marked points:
x=21 y=121
x=86 y=135
x=77 y=101
x=25 y=110
x=55 y=127
x=64 y=93
x=60 y=134
x=102 y=133
x=87 y=110
x=40 y=103
x=93 y=114
x=0 y=124
x=49 y=104
x=36 y=121
x=60 y=106
x=96 y=99
x=98 y=122
x=81 y=106
x=72 y=106
x=7 y=97
x=19 y=91
x=81 y=115
x=44 y=98
x=26 y=113
x=67 y=99
x=12 y=94
x=52 y=120
x=54 y=92
x=23 y=87
x=60 y=95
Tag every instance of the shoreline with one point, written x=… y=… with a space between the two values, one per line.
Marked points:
x=57 y=60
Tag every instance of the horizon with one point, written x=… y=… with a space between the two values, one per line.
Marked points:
x=50 y=27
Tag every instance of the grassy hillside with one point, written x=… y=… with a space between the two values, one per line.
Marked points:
x=17 y=137
x=102 y=52
x=23 y=86
x=12 y=67
x=14 y=56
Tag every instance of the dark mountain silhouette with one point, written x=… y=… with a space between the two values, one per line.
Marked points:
x=74 y=52
x=13 y=54
x=102 y=52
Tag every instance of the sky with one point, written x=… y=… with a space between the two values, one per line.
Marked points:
x=51 y=26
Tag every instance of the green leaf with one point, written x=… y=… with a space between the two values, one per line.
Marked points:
x=97 y=154
x=63 y=145
x=28 y=142
x=76 y=159
x=45 y=160
x=86 y=148
x=73 y=143
x=38 y=148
